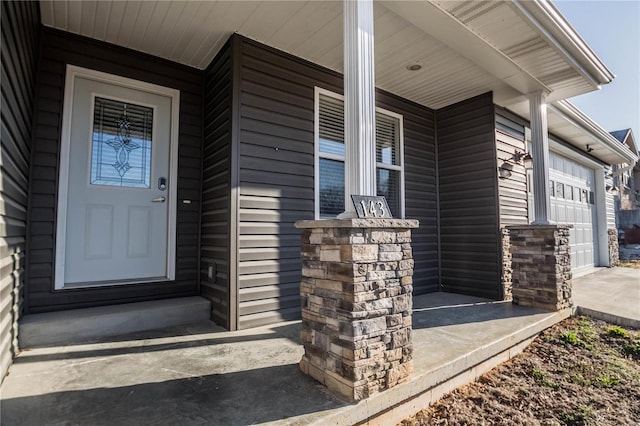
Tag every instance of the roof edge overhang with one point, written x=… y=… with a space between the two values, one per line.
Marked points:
x=550 y=23
x=572 y=114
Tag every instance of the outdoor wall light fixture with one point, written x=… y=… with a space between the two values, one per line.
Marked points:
x=525 y=157
x=612 y=189
x=506 y=168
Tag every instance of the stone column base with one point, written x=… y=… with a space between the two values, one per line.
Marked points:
x=614 y=249
x=541 y=263
x=507 y=271
x=356 y=295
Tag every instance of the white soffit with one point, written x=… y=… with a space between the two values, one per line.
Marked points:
x=465 y=48
x=535 y=36
x=573 y=126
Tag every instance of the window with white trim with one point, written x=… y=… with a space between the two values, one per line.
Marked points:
x=329 y=149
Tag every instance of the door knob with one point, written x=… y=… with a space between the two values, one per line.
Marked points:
x=159 y=200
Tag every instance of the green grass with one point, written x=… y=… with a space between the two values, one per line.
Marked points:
x=616 y=331
x=607 y=382
x=633 y=349
x=581 y=415
x=569 y=337
x=540 y=377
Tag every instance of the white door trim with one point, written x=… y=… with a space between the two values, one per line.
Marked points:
x=72 y=73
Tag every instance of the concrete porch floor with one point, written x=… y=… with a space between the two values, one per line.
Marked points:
x=201 y=374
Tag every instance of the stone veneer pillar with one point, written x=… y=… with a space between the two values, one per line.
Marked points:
x=541 y=263
x=356 y=295
x=614 y=248
x=507 y=270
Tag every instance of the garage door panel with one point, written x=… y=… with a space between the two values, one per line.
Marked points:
x=570 y=203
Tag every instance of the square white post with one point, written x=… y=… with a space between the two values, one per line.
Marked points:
x=359 y=102
x=540 y=153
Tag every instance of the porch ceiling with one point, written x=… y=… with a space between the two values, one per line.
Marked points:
x=465 y=48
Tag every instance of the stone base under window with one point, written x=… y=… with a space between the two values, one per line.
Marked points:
x=356 y=296
x=541 y=263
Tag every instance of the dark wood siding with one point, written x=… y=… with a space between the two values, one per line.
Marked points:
x=276 y=178
x=420 y=187
x=216 y=191
x=57 y=50
x=469 y=217
x=20 y=33
x=510 y=138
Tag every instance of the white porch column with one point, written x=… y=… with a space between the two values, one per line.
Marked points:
x=359 y=102
x=540 y=153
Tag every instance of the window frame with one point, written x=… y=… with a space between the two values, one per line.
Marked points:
x=335 y=157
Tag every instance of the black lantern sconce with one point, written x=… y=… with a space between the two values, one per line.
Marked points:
x=506 y=168
x=612 y=189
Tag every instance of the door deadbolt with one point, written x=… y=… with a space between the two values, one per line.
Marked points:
x=162 y=184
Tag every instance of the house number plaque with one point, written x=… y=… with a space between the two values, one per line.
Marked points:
x=371 y=207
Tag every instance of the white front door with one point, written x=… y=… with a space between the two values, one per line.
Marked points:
x=117 y=215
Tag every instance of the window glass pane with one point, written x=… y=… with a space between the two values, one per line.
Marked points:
x=388 y=185
x=121 y=144
x=331 y=147
x=559 y=190
x=331 y=125
x=569 y=192
x=331 y=188
x=387 y=139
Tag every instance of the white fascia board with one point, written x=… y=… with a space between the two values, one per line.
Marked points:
x=579 y=119
x=550 y=23
x=444 y=27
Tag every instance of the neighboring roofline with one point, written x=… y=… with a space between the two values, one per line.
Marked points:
x=628 y=139
x=571 y=113
x=554 y=27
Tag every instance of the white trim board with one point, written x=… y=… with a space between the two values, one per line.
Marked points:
x=72 y=73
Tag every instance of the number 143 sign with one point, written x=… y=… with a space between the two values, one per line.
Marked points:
x=371 y=207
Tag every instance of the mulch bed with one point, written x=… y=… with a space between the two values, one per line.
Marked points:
x=579 y=372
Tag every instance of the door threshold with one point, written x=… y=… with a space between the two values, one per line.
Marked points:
x=110 y=283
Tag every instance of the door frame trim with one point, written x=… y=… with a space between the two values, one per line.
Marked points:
x=72 y=73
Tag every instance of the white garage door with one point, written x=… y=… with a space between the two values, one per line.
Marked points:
x=573 y=201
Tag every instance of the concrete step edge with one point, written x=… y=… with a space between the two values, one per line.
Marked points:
x=72 y=326
x=396 y=404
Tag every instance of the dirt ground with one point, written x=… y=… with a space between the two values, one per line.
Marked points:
x=579 y=372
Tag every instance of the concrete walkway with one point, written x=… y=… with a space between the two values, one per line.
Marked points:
x=200 y=374
x=611 y=294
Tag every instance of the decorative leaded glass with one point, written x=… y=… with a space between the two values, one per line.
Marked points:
x=121 y=144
